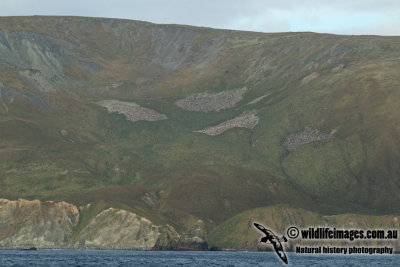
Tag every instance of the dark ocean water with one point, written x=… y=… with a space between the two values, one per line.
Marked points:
x=178 y=258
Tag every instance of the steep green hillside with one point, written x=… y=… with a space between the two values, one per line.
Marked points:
x=324 y=134
x=239 y=232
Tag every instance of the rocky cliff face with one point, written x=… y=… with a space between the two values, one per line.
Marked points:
x=192 y=239
x=50 y=224
x=118 y=229
x=25 y=223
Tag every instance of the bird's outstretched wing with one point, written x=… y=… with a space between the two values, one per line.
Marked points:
x=279 y=250
x=261 y=228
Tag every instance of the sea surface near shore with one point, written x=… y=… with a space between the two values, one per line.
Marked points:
x=183 y=258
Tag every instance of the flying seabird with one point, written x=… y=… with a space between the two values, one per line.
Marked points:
x=275 y=241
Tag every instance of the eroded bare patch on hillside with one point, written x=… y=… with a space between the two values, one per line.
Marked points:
x=258 y=99
x=247 y=119
x=310 y=77
x=206 y=102
x=308 y=135
x=133 y=112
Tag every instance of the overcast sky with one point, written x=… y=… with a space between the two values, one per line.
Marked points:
x=380 y=17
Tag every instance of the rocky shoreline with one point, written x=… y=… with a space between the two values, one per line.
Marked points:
x=27 y=224
x=53 y=225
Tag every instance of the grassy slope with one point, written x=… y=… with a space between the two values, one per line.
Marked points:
x=239 y=233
